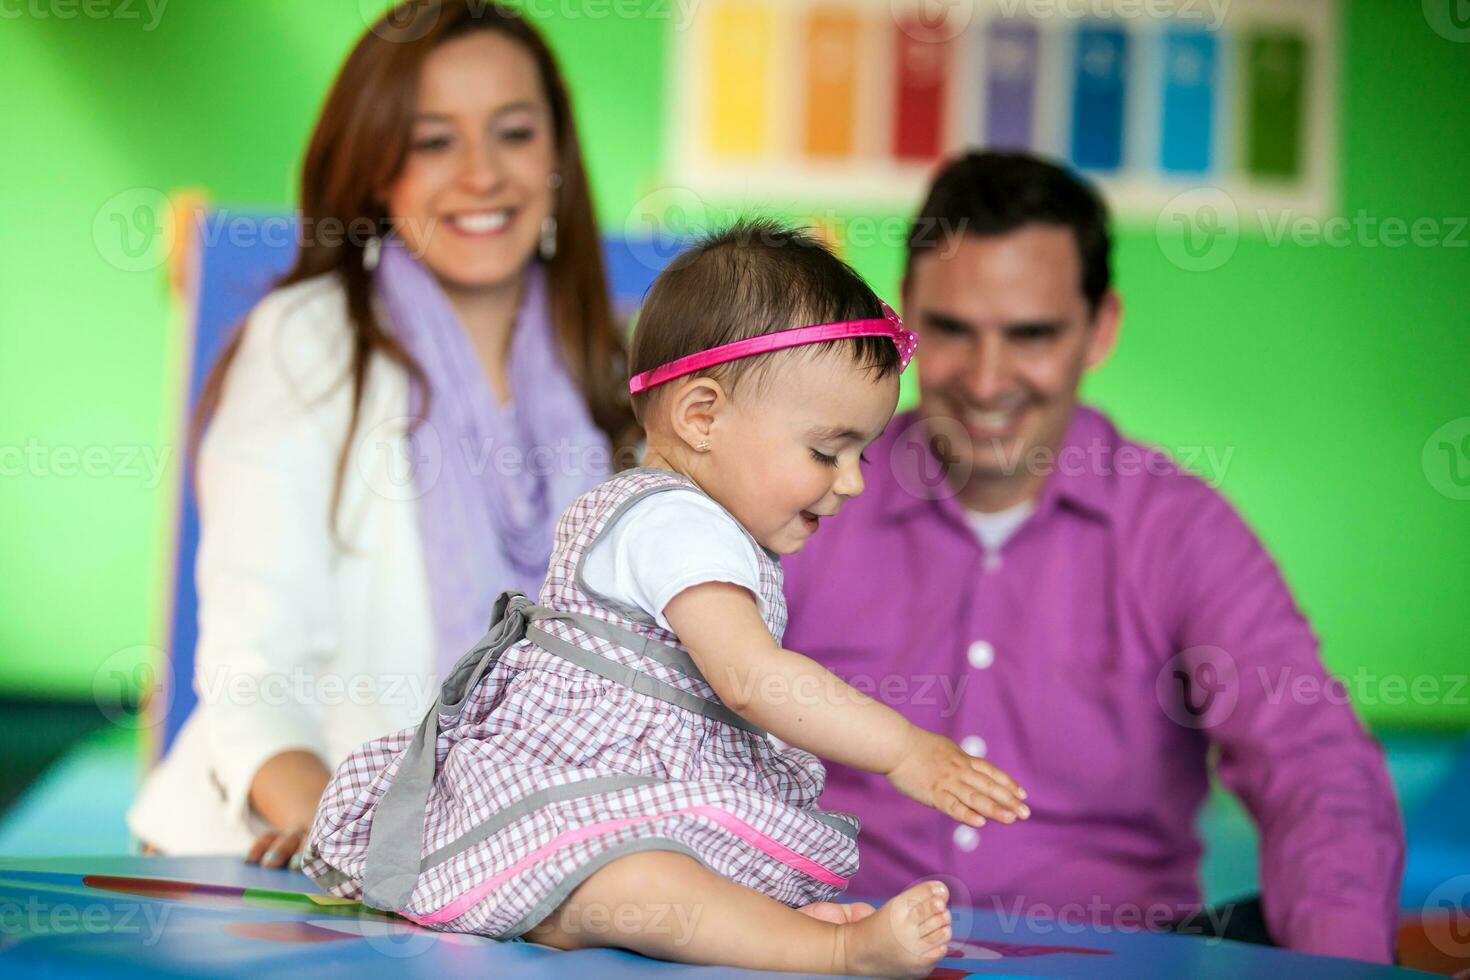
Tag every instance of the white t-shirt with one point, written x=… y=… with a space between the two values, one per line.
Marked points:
x=995 y=529
x=666 y=543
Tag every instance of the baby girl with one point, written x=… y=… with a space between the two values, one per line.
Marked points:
x=633 y=761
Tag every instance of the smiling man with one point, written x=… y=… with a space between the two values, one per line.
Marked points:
x=1105 y=624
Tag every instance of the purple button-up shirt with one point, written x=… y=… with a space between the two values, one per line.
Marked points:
x=1131 y=626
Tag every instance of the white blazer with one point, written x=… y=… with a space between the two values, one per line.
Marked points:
x=305 y=641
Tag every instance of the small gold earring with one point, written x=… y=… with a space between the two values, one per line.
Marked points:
x=702 y=446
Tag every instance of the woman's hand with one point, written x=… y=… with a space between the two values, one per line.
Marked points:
x=278 y=848
x=285 y=793
x=936 y=772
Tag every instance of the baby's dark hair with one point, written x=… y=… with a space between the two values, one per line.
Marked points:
x=756 y=277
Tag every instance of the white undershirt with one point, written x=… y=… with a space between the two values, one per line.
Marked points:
x=666 y=543
x=995 y=529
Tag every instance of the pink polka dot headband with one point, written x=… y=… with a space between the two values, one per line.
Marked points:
x=889 y=326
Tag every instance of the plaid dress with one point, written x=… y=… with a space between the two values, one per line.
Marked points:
x=578 y=731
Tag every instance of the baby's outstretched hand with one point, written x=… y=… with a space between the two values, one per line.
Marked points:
x=938 y=773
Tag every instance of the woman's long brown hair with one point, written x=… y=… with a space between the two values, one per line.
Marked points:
x=359 y=146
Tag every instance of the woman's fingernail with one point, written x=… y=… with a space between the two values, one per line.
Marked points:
x=296 y=862
x=1025 y=811
x=268 y=857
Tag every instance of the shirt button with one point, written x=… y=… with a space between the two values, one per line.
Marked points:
x=966 y=838
x=973 y=745
x=982 y=654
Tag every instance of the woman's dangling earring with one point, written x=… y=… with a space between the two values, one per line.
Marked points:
x=547 y=247
x=372 y=253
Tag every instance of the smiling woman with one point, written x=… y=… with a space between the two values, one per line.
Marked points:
x=368 y=442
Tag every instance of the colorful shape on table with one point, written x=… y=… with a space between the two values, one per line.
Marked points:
x=231 y=896
x=289 y=932
x=307 y=903
x=394 y=934
x=399 y=930
x=222 y=896
x=985 y=949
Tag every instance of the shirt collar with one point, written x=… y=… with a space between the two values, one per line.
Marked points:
x=1080 y=473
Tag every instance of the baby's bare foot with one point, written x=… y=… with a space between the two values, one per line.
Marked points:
x=905 y=938
x=839 y=913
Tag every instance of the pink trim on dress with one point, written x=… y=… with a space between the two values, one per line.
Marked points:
x=724 y=818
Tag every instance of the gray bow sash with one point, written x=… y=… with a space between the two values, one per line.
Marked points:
x=394 y=857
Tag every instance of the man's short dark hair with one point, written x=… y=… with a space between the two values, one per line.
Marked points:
x=984 y=193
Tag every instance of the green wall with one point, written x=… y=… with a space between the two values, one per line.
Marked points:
x=1321 y=370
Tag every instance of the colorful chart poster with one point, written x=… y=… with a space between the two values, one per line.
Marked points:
x=740 y=43
x=1099 y=95
x=833 y=41
x=1012 y=60
x=1275 y=71
x=1190 y=77
x=835 y=102
x=923 y=51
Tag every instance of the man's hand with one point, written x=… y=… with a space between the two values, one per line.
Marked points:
x=936 y=772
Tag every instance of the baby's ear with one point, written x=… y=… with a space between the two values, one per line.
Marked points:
x=695 y=409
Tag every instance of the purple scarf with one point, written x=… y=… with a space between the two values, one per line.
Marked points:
x=487 y=516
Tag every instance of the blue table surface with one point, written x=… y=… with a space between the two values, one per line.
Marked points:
x=80 y=917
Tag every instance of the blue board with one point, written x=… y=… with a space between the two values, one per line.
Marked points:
x=241 y=257
x=167 y=917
